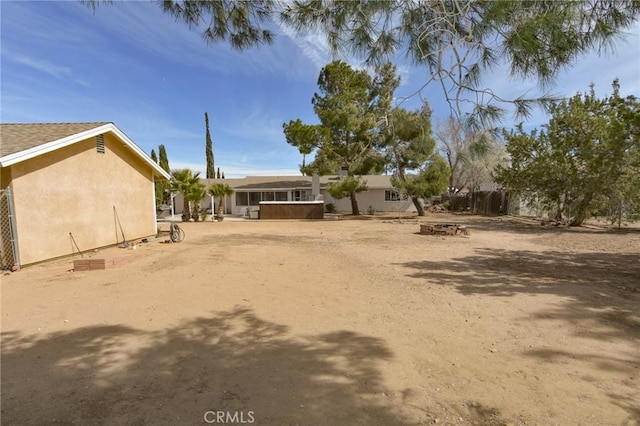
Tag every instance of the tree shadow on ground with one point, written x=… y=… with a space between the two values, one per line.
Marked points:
x=232 y=361
x=380 y=216
x=600 y=294
x=600 y=286
x=530 y=225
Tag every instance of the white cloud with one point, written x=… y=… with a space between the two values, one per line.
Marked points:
x=58 y=71
x=146 y=26
x=42 y=65
x=313 y=46
x=256 y=124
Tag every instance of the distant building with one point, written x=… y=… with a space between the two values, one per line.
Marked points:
x=250 y=191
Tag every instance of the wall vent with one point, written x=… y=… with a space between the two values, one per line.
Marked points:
x=100 y=144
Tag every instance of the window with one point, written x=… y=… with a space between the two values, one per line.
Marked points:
x=302 y=195
x=100 y=144
x=268 y=196
x=254 y=198
x=242 y=199
x=394 y=195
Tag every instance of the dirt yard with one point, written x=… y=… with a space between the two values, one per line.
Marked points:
x=334 y=322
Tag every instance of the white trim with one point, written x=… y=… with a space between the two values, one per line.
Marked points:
x=291 y=202
x=155 y=205
x=279 y=189
x=27 y=154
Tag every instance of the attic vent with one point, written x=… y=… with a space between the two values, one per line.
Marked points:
x=100 y=144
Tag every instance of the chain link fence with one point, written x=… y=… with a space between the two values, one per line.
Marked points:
x=9 y=257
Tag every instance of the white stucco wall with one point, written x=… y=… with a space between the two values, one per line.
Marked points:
x=373 y=198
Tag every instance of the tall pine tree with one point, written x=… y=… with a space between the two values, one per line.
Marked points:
x=211 y=171
x=346 y=105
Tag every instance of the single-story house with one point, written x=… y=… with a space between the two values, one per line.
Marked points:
x=72 y=186
x=380 y=196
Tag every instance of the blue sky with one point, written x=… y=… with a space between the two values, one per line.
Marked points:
x=154 y=78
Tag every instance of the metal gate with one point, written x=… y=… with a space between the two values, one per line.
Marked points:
x=9 y=257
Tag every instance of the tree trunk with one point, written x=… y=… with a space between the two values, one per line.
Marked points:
x=354 y=204
x=451 y=176
x=582 y=212
x=620 y=214
x=579 y=218
x=418 y=204
x=186 y=214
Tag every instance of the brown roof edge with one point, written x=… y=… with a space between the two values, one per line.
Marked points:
x=16 y=137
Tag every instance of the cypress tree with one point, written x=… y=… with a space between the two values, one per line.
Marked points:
x=211 y=171
x=164 y=161
x=161 y=195
x=159 y=186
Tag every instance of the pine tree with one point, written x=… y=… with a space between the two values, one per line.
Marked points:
x=218 y=172
x=154 y=157
x=211 y=171
x=347 y=106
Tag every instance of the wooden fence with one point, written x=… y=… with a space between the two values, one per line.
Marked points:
x=489 y=203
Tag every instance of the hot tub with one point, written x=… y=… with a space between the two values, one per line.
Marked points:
x=292 y=210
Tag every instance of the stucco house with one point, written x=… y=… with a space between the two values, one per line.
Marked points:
x=69 y=186
x=380 y=196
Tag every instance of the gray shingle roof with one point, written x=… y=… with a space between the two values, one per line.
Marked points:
x=293 y=182
x=16 y=137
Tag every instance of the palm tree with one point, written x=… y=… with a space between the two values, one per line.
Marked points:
x=220 y=191
x=196 y=195
x=185 y=181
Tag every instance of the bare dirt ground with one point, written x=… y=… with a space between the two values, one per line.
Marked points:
x=333 y=322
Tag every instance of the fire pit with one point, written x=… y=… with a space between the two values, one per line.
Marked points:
x=444 y=229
